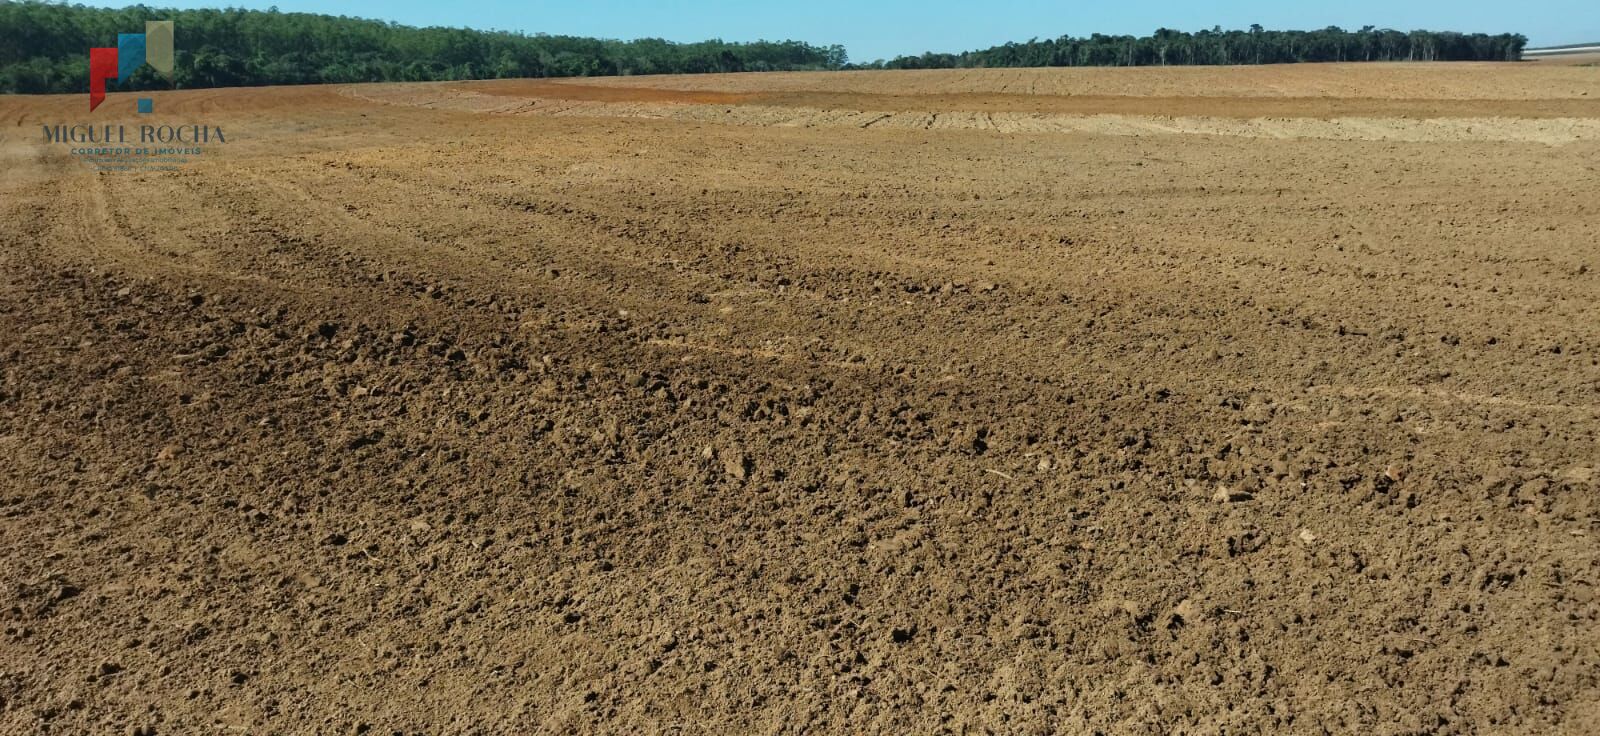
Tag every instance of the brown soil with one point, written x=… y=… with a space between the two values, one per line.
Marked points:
x=1585 y=59
x=571 y=90
x=1526 y=82
x=406 y=413
x=1247 y=107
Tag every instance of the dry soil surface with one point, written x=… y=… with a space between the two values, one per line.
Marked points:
x=1129 y=401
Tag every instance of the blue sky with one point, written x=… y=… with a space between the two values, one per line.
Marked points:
x=888 y=28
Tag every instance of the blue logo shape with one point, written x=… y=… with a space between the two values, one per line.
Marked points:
x=146 y=105
x=130 y=55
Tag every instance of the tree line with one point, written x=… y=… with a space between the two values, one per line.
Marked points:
x=45 y=49
x=1257 y=45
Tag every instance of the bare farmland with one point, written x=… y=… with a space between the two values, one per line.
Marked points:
x=1010 y=401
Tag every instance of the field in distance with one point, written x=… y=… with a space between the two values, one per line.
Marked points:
x=1005 y=401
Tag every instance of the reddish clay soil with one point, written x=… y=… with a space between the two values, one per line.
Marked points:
x=693 y=409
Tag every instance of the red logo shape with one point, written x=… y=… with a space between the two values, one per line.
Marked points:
x=102 y=66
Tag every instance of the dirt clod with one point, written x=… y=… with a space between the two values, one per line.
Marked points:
x=736 y=464
x=1225 y=494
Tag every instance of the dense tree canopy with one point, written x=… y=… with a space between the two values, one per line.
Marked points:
x=1216 y=46
x=46 y=49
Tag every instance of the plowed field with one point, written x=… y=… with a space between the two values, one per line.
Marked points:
x=1009 y=401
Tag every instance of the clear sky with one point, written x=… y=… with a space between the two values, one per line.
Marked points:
x=886 y=28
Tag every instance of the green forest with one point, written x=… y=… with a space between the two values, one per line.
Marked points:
x=46 y=49
x=47 y=46
x=1257 y=45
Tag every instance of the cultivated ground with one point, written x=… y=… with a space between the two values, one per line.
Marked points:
x=1130 y=401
